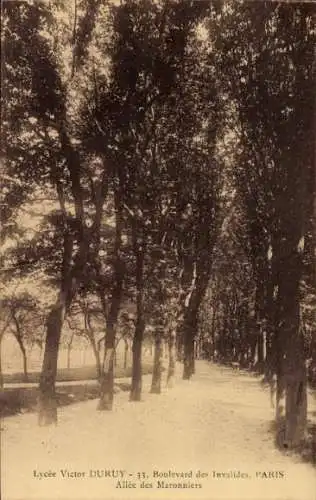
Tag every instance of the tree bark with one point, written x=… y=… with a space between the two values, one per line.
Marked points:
x=189 y=335
x=188 y=362
x=136 y=389
x=107 y=375
x=157 y=369
x=172 y=358
x=1 y=373
x=47 y=404
x=24 y=356
x=126 y=349
x=107 y=381
x=96 y=353
x=291 y=369
x=69 y=348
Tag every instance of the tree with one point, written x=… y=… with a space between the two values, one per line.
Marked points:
x=270 y=73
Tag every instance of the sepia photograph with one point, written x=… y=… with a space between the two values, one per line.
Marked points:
x=158 y=250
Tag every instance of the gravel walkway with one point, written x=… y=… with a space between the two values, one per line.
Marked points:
x=207 y=438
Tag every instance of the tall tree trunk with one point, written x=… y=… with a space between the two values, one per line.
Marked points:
x=47 y=406
x=47 y=402
x=189 y=333
x=188 y=362
x=107 y=375
x=172 y=358
x=136 y=389
x=157 y=369
x=291 y=369
x=259 y=308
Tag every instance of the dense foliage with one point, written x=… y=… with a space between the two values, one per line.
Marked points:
x=159 y=178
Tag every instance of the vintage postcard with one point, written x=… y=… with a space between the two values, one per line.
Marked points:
x=158 y=238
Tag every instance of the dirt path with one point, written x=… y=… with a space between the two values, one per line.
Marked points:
x=218 y=424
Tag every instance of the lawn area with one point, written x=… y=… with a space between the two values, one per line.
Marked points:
x=23 y=399
x=87 y=372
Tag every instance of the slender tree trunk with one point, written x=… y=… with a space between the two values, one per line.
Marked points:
x=189 y=335
x=69 y=348
x=126 y=349
x=157 y=369
x=1 y=373
x=172 y=358
x=136 y=389
x=24 y=356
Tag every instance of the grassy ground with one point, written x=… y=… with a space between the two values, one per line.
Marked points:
x=23 y=399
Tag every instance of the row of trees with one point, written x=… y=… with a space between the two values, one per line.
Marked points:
x=173 y=144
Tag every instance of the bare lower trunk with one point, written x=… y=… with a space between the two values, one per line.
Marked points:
x=291 y=368
x=47 y=404
x=189 y=337
x=157 y=369
x=260 y=352
x=96 y=353
x=172 y=359
x=136 y=389
x=107 y=381
x=68 y=356
x=126 y=349
x=25 y=373
x=107 y=375
x=188 y=363
x=19 y=339
x=1 y=373
x=296 y=410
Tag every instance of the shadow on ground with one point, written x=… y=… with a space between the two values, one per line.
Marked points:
x=16 y=400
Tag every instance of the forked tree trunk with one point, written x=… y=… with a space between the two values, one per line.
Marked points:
x=107 y=374
x=172 y=358
x=96 y=353
x=24 y=357
x=19 y=338
x=107 y=370
x=157 y=369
